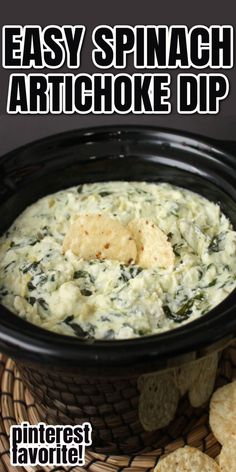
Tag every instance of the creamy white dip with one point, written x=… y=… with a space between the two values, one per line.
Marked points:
x=105 y=299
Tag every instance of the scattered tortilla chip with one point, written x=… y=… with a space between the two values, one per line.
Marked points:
x=227 y=459
x=203 y=385
x=186 y=375
x=97 y=236
x=223 y=413
x=158 y=400
x=187 y=459
x=154 y=249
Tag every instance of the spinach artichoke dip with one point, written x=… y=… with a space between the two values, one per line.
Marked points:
x=117 y=260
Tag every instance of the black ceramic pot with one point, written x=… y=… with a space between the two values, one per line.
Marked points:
x=75 y=380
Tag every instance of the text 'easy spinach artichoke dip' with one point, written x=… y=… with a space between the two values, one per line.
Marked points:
x=117 y=260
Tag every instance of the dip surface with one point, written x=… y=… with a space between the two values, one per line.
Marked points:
x=106 y=299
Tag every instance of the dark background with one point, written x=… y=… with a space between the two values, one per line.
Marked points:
x=17 y=130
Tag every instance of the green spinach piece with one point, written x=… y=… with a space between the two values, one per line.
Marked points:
x=82 y=274
x=42 y=303
x=31 y=286
x=29 y=267
x=104 y=194
x=214 y=245
x=85 y=292
x=182 y=314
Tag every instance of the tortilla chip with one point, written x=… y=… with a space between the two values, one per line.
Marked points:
x=154 y=249
x=158 y=400
x=186 y=375
x=227 y=459
x=223 y=413
x=97 y=236
x=187 y=459
x=203 y=386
